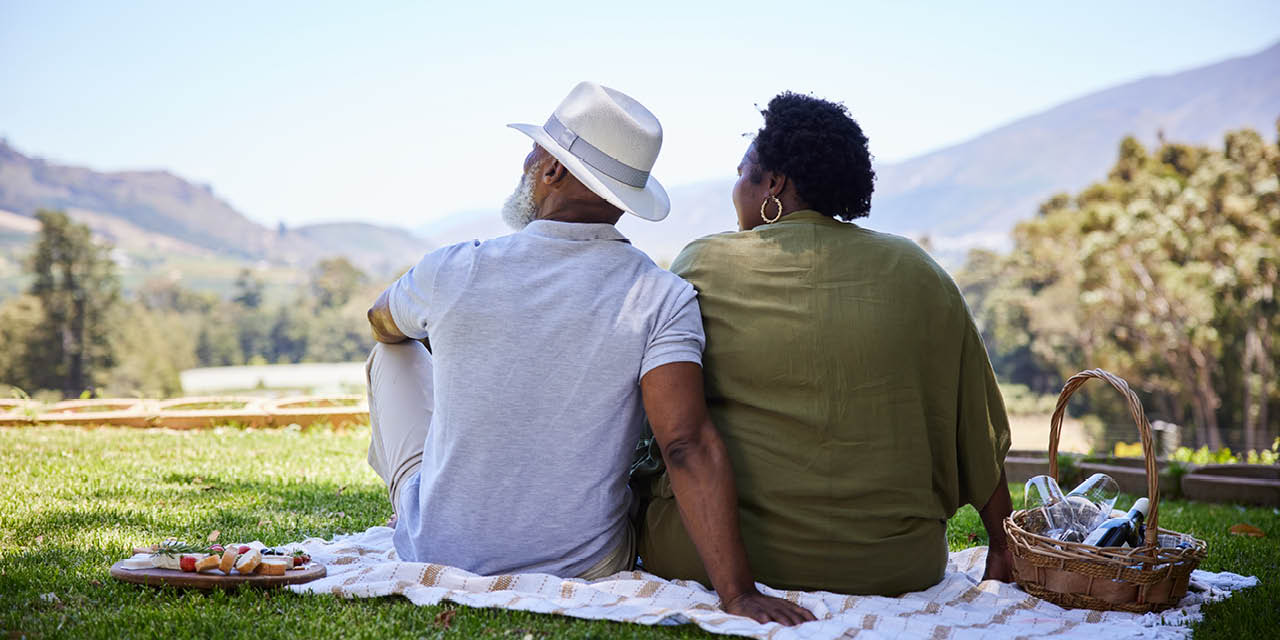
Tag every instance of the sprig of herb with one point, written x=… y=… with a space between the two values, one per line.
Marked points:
x=173 y=548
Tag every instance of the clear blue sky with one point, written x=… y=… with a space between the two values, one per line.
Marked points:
x=394 y=112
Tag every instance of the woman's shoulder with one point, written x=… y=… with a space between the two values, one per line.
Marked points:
x=900 y=247
x=708 y=247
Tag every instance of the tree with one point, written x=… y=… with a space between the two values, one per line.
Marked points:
x=162 y=294
x=1166 y=273
x=21 y=318
x=217 y=344
x=78 y=289
x=248 y=291
x=334 y=281
x=154 y=348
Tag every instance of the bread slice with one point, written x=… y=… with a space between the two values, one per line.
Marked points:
x=249 y=561
x=274 y=566
x=208 y=563
x=228 y=560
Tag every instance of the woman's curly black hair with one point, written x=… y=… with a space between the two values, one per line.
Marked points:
x=818 y=146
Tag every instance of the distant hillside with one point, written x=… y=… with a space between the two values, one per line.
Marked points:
x=156 y=211
x=973 y=193
x=380 y=250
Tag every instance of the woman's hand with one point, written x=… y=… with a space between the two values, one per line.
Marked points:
x=763 y=609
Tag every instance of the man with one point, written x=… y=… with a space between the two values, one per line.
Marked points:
x=506 y=447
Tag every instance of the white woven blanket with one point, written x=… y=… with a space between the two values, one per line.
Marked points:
x=364 y=565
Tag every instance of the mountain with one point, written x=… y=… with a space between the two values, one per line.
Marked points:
x=968 y=194
x=973 y=193
x=149 y=211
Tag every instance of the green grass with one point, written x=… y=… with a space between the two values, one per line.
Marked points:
x=73 y=501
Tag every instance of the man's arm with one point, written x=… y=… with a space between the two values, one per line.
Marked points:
x=698 y=466
x=380 y=320
x=993 y=513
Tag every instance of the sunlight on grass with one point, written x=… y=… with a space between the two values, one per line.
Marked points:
x=76 y=500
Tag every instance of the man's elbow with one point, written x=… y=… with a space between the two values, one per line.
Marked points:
x=380 y=332
x=372 y=316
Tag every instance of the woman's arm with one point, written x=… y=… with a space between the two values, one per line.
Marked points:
x=702 y=481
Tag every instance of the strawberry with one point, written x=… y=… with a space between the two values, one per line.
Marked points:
x=300 y=558
x=188 y=563
x=244 y=548
x=217 y=548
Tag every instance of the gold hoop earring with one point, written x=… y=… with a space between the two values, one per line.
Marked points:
x=776 y=202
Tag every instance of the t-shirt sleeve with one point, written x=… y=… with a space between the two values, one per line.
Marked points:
x=678 y=337
x=412 y=295
x=982 y=437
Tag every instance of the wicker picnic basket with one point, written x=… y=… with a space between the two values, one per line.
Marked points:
x=1152 y=577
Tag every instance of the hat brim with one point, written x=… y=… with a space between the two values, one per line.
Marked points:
x=650 y=203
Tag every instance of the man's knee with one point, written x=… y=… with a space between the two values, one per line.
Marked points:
x=398 y=359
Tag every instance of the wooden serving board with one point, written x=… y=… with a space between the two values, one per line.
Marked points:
x=215 y=579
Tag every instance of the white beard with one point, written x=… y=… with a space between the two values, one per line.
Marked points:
x=519 y=209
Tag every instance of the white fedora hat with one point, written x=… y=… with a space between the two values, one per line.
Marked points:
x=609 y=142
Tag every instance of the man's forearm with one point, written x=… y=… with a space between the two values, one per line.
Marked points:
x=702 y=481
x=993 y=513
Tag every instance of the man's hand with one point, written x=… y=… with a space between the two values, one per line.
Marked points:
x=999 y=564
x=702 y=481
x=763 y=609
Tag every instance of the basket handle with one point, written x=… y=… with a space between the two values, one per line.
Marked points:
x=1144 y=432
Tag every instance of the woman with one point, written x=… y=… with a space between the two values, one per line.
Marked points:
x=845 y=374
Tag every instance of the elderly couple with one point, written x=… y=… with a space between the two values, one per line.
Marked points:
x=811 y=399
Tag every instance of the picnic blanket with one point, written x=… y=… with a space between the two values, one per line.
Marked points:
x=364 y=565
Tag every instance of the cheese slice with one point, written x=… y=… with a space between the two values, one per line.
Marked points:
x=161 y=561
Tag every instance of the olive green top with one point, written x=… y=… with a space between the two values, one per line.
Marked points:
x=855 y=397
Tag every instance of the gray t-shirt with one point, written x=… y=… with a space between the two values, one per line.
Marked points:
x=539 y=340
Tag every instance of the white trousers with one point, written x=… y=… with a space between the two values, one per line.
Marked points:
x=401 y=401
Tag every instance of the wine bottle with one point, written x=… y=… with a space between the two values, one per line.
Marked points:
x=1126 y=529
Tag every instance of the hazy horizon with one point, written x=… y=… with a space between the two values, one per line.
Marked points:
x=321 y=114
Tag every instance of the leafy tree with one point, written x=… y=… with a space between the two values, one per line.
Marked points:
x=217 y=344
x=76 y=283
x=248 y=290
x=334 y=281
x=162 y=294
x=21 y=318
x=253 y=330
x=290 y=332
x=1165 y=272
x=154 y=348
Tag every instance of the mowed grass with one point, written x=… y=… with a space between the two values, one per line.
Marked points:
x=73 y=501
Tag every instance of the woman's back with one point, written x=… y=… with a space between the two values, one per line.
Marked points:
x=855 y=398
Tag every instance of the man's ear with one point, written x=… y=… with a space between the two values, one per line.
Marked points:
x=553 y=172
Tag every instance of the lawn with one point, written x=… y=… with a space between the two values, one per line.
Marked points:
x=74 y=501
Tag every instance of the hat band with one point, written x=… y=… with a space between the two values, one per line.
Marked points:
x=595 y=158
